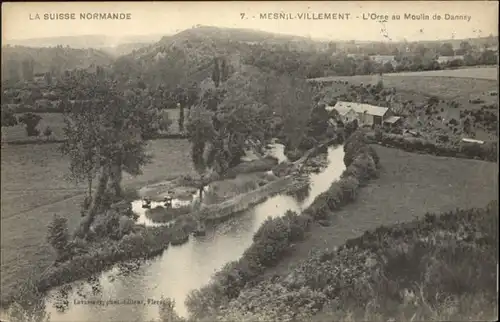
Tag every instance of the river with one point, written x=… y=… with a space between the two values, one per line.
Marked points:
x=179 y=269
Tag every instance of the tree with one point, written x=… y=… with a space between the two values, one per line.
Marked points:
x=489 y=57
x=47 y=132
x=181 y=118
x=104 y=135
x=388 y=68
x=366 y=67
x=216 y=73
x=31 y=121
x=446 y=49
x=48 y=78
x=8 y=118
x=57 y=235
x=27 y=69
x=332 y=47
x=201 y=133
x=465 y=48
x=13 y=69
x=224 y=70
x=470 y=60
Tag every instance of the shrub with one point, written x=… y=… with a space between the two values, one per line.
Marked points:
x=47 y=132
x=125 y=225
x=31 y=121
x=106 y=225
x=58 y=235
x=167 y=311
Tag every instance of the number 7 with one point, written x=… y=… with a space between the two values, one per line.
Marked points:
x=242 y=15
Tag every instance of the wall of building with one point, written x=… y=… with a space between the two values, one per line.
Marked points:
x=365 y=118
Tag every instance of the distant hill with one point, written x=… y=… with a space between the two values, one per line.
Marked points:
x=56 y=59
x=84 y=41
x=188 y=56
x=124 y=49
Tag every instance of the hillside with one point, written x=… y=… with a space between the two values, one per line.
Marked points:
x=84 y=41
x=56 y=59
x=188 y=56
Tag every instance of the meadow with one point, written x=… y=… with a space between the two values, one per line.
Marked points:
x=479 y=72
x=409 y=186
x=457 y=84
x=56 y=122
x=34 y=189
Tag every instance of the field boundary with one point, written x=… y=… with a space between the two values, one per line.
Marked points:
x=174 y=136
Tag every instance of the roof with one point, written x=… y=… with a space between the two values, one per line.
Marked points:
x=443 y=59
x=361 y=108
x=392 y=119
x=382 y=58
x=342 y=110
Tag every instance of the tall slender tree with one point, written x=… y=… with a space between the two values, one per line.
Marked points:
x=216 y=73
x=104 y=136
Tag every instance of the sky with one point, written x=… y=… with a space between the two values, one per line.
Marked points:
x=19 y=19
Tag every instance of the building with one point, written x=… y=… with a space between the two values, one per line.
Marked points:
x=446 y=59
x=392 y=121
x=383 y=59
x=346 y=114
x=366 y=114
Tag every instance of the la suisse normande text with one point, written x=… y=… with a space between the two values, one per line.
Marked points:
x=81 y=16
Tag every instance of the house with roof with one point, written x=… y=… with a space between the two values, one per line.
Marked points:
x=366 y=114
x=383 y=59
x=447 y=59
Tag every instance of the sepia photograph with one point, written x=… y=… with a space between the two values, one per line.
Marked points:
x=223 y=161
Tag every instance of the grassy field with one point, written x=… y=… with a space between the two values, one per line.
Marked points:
x=490 y=73
x=34 y=189
x=409 y=185
x=459 y=88
x=56 y=123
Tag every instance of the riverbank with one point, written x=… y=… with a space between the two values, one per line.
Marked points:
x=407 y=183
x=440 y=267
x=271 y=292
x=276 y=237
x=140 y=243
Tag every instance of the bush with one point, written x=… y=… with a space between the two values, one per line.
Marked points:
x=47 y=132
x=31 y=121
x=486 y=151
x=414 y=267
x=58 y=235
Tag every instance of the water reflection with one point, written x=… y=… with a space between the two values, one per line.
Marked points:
x=183 y=268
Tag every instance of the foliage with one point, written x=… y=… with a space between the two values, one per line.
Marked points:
x=486 y=151
x=104 y=134
x=31 y=121
x=54 y=60
x=28 y=304
x=8 y=118
x=47 y=132
x=276 y=235
x=57 y=235
x=386 y=273
x=167 y=311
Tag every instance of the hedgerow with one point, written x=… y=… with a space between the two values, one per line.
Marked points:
x=426 y=269
x=486 y=151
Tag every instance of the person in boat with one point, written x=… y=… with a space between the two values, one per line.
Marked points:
x=168 y=200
